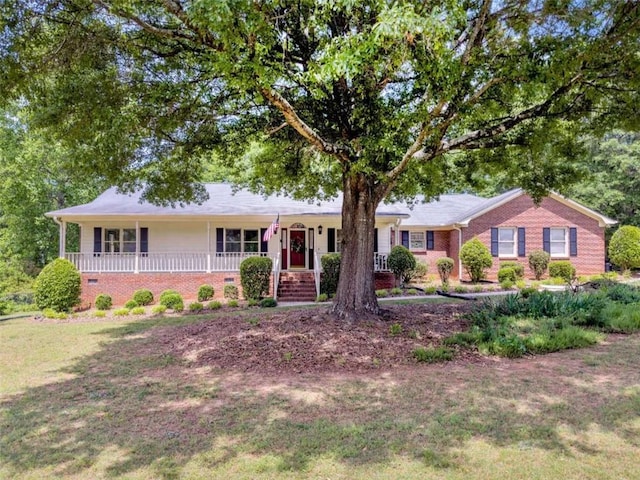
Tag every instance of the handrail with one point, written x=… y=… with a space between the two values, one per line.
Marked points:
x=316 y=272
x=276 y=276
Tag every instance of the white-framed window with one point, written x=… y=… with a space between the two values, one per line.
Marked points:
x=416 y=241
x=558 y=242
x=507 y=241
x=118 y=240
x=237 y=240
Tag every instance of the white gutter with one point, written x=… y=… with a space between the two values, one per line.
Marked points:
x=459 y=248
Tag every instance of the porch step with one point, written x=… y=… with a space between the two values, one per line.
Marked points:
x=296 y=287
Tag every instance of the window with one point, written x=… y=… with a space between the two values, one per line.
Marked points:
x=416 y=241
x=251 y=241
x=129 y=240
x=111 y=240
x=120 y=240
x=237 y=240
x=558 y=242
x=233 y=240
x=507 y=242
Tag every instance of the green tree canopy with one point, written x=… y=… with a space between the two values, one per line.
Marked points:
x=373 y=98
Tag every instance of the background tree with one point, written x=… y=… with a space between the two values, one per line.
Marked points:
x=375 y=99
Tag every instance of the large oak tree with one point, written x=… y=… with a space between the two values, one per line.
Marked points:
x=376 y=99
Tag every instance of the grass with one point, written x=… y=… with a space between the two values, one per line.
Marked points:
x=104 y=400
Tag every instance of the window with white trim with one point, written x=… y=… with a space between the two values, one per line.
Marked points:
x=558 y=242
x=118 y=240
x=507 y=242
x=237 y=240
x=416 y=241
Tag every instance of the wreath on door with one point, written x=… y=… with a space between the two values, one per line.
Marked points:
x=297 y=245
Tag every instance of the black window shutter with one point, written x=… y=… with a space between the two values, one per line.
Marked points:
x=144 y=240
x=430 y=240
x=573 y=242
x=522 y=242
x=494 y=242
x=331 y=240
x=375 y=239
x=546 y=239
x=97 y=239
x=264 y=246
x=404 y=235
x=219 y=240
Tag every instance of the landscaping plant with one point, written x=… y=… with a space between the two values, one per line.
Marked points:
x=445 y=267
x=539 y=262
x=401 y=262
x=255 y=276
x=476 y=259
x=624 y=247
x=58 y=286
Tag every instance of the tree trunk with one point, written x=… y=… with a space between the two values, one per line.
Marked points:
x=355 y=297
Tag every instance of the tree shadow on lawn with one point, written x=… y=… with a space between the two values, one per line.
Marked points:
x=142 y=406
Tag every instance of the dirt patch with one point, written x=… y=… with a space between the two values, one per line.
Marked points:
x=310 y=340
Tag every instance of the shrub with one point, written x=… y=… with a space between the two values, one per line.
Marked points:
x=528 y=291
x=517 y=267
x=196 y=307
x=538 y=262
x=396 y=291
x=395 y=329
x=158 y=309
x=624 y=247
x=330 y=273
x=460 y=289
x=323 y=297
x=173 y=301
x=205 y=292
x=252 y=302
x=138 y=311
x=432 y=355
x=131 y=304
x=255 y=276
x=230 y=291
x=100 y=314
x=233 y=303
x=382 y=293
x=507 y=284
x=418 y=272
x=445 y=267
x=430 y=290
x=401 y=262
x=268 y=302
x=214 y=305
x=143 y=297
x=103 y=301
x=506 y=273
x=412 y=291
x=49 y=313
x=166 y=293
x=58 y=286
x=121 y=312
x=476 y=259
x=562 y=269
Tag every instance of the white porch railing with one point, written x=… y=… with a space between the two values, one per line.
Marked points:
x=159 y=262
x=380 y=262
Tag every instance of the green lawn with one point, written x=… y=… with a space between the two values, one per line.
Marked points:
x=90 y=400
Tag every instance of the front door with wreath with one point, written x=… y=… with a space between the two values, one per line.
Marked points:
x=297 y=247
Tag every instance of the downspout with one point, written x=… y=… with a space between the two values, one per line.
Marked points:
x=459 y=248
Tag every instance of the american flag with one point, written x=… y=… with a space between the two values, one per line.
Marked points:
x=273 y=228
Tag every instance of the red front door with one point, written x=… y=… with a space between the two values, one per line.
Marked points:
x=298 y=248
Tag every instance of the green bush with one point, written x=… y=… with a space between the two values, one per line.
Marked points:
x=4 y=308
x=268 y=302
x=233 y=303
x=418 y=273
x=507 y=273
x=131 y=304
x=412 y=291
x=173 y=301
x=138 y=311
x=103 y=301
x=196 y=307
x=330 y=273
x=396 y=291
x=121 y=312
x=255 y=276
x=230 y=291
x=58 y=286
x=100 y=314
x=460 y=289
x=167 y=293
x=430 y=290
x=445 y=267
x=539 y=262
x=562 y=269
x=214 y=305
x=205 y=292
x=401 y=262
x=158 y=309
x=382 y=293
x=517 y=267
x=252 y=302
x=507 y=284
x=143 y=297
x=433 y=354
x=476 y=259
x=323 y=297
x=395 y=329
x=624 y=247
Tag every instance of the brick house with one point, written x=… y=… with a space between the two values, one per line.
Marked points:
x=127 y=244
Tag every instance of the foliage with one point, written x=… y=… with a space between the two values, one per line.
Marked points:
x=460 y=289
x=539 y=262
x=517 y=267
x=430 y=290
x=252 y=302
x=131 y=304
x=396 y=291
x=138 y=311
x=476 y=259
x=158 y=309
x=330 y=273
x=401 y=262
x=432 y=354
x=230 y=291
x=143 y=297
x=624 y=247
x=562 y=269
x=173 y=301
x=57 y=286
x=214 y=305
x=205 y=292
x=412 y=291
x=103 y=301
x=382 y=293
x=255 y=276
x=507 y=284
x=13 y=279
x=196 y=307
x=507 y=273
x=121 y=312
x=445 y=267
x=323 y=297
x=167 y=293
x=99 y=314
x=395 y=329
x=233 y=303
x=417 y=273
x=268 y=302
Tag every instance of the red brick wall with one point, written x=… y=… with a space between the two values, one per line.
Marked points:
x=521 y=212
x=441 y=239
x=122 y=285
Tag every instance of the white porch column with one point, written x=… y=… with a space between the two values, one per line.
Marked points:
x=208 y=247
x=63 y=238
x=136 y=268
